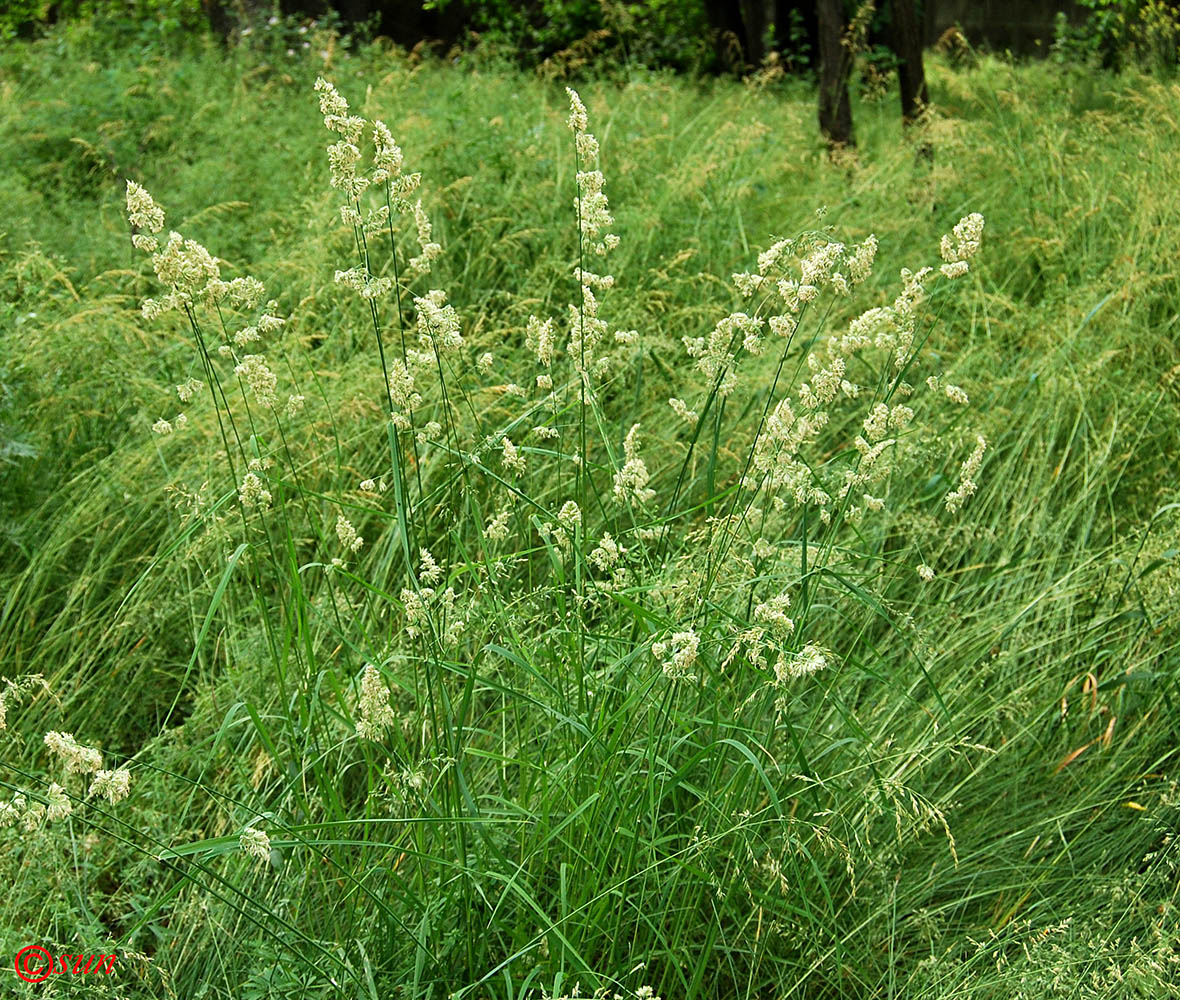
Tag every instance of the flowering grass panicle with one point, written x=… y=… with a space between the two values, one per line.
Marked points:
x=15 y=690
x=75 y=758
x=496 y=529
x=143 y=213
x=779 y=462
x=809 y=660
x=255 y=843
x=678 y=655
x=57 y=803
x=631 y=481
x=347 y=534
x=587 y=331
x=376 y=715
x=252 y=492
x=967 y=473
x=114 y=785
x=511 y=457
x=261 y=380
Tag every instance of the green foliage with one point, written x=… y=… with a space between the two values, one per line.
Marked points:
x=654 y=33
x=790 y=40
x=563 y=812
x=1117 y=33
x=143 y=24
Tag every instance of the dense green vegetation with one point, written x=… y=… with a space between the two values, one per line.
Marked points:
x=977 y=795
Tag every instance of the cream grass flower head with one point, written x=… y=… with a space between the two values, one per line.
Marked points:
x=678 y=655
x=809 y=660
x=772 y=616
x=539 y=339
x=77 y=759
x=429 y=571
x=347 y=535
x=607 y=553
x=431 y=251
x=630 y=482
x=185 y=266
x=438 y=325
x=387 y=155
x=594 y=218
x=497 y=528
x=189 y=388
x=59 y=806
x=114 y=785
x=681 y=409
x=967 y=473
x=511 y=457
x=261 y=380
x=142 y=211
x=253 y=492
x=570 y=517
x=375 y=714
x=964 y=239
x=9 y=815
x=255 y=843
x=334 y=108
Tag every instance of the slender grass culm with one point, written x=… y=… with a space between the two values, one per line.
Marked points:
x=585 y=649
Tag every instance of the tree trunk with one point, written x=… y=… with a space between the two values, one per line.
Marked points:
x=725 y=18
x=835 y=64
x=907 y=43
x=756 y=19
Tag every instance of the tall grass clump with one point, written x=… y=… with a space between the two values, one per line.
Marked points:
x=566 y=649
x=511 y=548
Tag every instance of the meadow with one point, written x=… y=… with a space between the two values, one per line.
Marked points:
x=771 y=618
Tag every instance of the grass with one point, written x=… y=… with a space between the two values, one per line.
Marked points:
x=976 y=798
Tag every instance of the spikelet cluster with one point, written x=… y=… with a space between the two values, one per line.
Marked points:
x=967 y=473
x=255 y=843
x=375 y=713
x=630 y=482
x=433 y=613
x=678 y=655
x=74 y=759
x=809 y=660
x=14 y=691
x=114 y=785
x=191 y=276
x=790 y=275
x=350 y=541
x=349 y=175
x=590 y=342
x=961 y=244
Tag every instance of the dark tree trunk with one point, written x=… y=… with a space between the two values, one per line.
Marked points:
x=755 y=16
x=835 y=64
x=725 y=18
x=907 y=43
x=219 y=18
